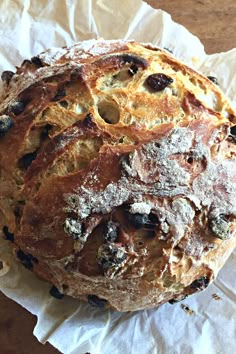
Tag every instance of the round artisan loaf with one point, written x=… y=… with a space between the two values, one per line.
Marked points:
x=117 y=180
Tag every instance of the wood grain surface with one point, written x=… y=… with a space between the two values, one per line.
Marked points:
x=214 y=23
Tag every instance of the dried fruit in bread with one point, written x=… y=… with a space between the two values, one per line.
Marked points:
x=117 y=173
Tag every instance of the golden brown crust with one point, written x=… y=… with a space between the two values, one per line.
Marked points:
x=117 y=173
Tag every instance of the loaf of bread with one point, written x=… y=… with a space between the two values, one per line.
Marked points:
x=117 y=173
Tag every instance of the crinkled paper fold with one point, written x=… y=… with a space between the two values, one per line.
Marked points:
x=29 y=27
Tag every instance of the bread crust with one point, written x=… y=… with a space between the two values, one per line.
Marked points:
x=117 y=173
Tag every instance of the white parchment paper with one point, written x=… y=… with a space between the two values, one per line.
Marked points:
x=29 y=27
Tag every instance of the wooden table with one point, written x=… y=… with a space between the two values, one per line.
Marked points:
x=214 y=23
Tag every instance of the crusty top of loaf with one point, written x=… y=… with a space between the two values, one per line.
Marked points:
x=93 y=142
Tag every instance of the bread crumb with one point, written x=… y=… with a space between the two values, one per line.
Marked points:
x=187 y=310
x=216 y=297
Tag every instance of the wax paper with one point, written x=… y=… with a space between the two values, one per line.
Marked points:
x=203 y=323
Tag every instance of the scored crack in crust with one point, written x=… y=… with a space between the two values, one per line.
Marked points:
x=117 y=180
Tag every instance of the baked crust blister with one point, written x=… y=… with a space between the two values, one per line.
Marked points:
x=117 y=173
